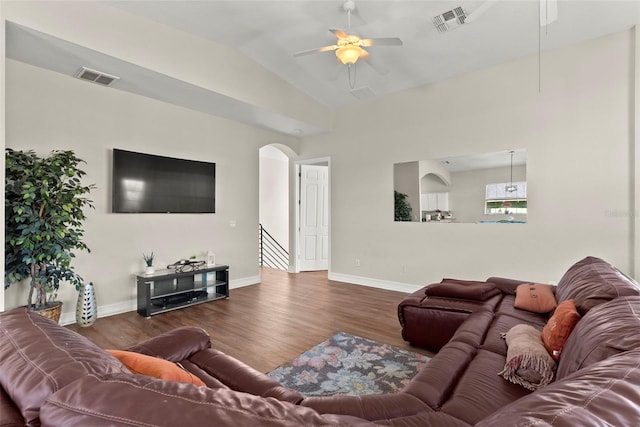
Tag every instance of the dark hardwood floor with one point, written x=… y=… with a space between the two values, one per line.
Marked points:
x=271 y=323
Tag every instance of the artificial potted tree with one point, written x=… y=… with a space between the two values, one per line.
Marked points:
x=44 y=202
x=402 y=208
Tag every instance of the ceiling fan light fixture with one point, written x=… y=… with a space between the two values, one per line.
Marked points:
x=349 y=54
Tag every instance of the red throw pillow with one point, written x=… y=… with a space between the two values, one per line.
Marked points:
x=535 y=297
x=155 y=367
x=559 y=327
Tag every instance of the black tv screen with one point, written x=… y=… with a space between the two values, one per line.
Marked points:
x=146 y=183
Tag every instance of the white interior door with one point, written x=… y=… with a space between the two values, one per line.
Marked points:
x=314 y=217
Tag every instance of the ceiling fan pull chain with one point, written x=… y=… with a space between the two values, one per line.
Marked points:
x=352 y=82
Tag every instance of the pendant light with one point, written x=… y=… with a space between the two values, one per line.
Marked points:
x=511 y=188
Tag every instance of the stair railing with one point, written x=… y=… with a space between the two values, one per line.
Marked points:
x=272 y=254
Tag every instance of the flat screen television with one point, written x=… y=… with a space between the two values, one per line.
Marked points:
x=146 y=183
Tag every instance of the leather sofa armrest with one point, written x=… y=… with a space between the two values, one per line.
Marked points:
x=175 y=345
x=239 y=376
x=371 y=407
x=506 y=285
x=141 y=400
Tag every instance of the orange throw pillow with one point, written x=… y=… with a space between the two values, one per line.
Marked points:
x=155 y=367
x=559 y=327
x=535 y=297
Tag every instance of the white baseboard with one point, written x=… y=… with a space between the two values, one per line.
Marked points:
x=374 y=283
x=103 y=311
x=132 y=305
x=246 y=281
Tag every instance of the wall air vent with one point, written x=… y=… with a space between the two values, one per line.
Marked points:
x=450 y=19
x=98 y=77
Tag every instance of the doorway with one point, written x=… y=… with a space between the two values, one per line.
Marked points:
x=274 y=200
x=313 y=219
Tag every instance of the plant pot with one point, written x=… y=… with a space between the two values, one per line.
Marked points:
x=149 y=270
x=51 y=310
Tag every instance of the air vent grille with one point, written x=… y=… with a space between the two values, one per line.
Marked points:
x=98 y=77
x=450 y=19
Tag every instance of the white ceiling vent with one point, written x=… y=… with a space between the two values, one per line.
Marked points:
x=363 y=93
x=450 y=19
x=98 y=77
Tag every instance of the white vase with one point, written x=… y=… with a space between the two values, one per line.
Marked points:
x=149 y=270
x=86 y=309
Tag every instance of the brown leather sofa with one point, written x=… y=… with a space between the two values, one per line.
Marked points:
x=54 y=377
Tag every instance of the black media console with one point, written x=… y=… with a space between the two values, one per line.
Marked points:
x=168 y=290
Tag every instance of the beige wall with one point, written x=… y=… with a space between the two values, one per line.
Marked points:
x=2 y=119
x=47 y=110
x=577 y=135
x=635 y=160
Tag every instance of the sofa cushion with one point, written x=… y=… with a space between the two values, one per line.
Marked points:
x=436 y=381
x=535 y=297
x=155 y=367
x=141 y=400
x=39 y=357
x=501 y=324
x=480 y=390
x=10 y=415
x=606 y=330
x=604 y=394
x=592 y=281
x=558 y=329
x=463 y=289
x=238 y=376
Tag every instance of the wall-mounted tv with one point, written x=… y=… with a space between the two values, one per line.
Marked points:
x=146 y=183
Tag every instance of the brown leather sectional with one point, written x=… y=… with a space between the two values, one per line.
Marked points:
x=51 y=376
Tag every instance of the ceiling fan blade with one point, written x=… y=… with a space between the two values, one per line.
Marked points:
x=476 y=13
x=374 y=64
x=339 y=34
x=317 y=50
x=382 y=41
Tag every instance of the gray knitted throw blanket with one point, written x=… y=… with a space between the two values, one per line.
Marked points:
x=529 y=364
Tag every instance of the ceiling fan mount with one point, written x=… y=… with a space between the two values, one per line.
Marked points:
x=349 y=6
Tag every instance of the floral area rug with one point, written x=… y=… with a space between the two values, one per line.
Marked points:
x=347 y=364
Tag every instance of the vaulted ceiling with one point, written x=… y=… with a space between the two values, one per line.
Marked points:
x=497 y=31
x=271 y=32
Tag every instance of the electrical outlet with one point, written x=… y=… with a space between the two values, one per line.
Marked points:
x=357 y=262
x=232 y=223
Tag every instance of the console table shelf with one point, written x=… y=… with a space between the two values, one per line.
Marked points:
x=167 y=290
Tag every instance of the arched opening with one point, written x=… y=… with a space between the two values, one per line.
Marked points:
x=274 y=207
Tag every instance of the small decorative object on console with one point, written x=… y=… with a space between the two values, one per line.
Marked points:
x=148 y=259
x=211 y=258
x=186 y=265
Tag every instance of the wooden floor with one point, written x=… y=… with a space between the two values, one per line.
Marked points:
x=271 y=323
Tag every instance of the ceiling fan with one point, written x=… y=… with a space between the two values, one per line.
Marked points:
x=350 y=47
